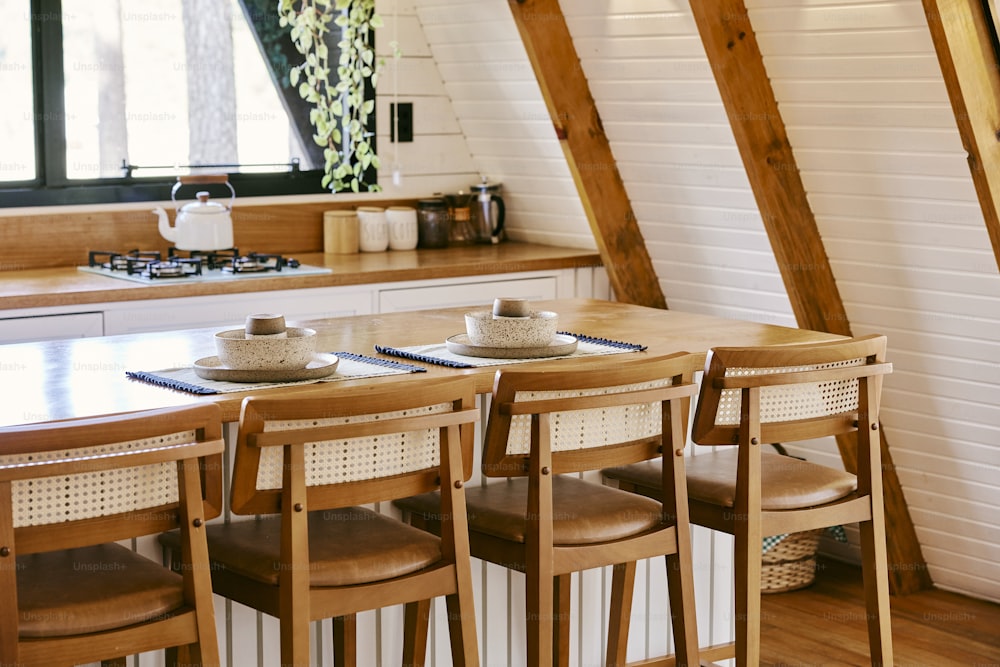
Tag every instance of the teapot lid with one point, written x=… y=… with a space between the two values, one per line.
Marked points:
x=203 y=205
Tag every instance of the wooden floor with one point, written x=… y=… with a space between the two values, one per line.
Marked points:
x=824 y=624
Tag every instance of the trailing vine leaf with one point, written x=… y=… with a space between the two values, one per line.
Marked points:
x=341 y=112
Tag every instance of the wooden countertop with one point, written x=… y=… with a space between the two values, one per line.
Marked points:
x=37 y=288
x=85 y=377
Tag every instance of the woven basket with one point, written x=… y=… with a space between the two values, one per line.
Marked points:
x=790 y=564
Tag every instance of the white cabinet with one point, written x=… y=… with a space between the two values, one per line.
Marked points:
x=232 y=309
x=222 y=310
x=472 y=292
x=51 y=327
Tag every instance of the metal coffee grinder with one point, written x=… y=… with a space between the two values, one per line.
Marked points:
x=487 y=212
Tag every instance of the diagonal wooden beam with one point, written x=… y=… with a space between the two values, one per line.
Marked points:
x=770 y=164
x=578 y=126
x=963 y=40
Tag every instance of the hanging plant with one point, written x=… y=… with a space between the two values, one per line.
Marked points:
x=341 y=110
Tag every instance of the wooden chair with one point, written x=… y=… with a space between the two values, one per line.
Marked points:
x=547 y=521
x=307 y=465
x=69 y=491
x=755 y=396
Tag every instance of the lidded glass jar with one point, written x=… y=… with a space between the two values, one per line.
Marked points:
x=433 y=223
x=460 y=208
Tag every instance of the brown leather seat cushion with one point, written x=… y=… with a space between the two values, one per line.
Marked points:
x=91 y=589
x=351 y=545
x=786 y=482
x=583 y=512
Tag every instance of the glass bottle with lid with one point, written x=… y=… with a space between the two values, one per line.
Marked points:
x=460 y=208
x=433 y=223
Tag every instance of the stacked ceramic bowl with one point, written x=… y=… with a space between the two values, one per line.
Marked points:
x=266 y=344
x=511 y=324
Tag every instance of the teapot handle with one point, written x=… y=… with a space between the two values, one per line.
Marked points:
x=203 y=178
x=198 y=179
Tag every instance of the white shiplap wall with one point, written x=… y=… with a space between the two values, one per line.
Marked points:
x=500 y=109
x=868 y=115
x=438 y=159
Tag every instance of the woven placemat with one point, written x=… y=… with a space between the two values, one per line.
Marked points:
x=438 y=353
x=351 y=367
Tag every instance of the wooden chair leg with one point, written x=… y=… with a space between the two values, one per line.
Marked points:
x=875 y=573
x=619 y=617
x=683 y=618
x=345 y=640
x=462 y=630
x=416 y=620
x=561 y=595
x=747 y=619
x=183 y=656
x=539 y=612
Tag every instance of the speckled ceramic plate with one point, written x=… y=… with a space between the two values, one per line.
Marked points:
x=560 y=346
x=322 y=365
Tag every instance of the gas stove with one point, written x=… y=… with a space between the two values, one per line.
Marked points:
x=151 y=267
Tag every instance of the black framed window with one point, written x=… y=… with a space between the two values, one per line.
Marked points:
x=110 y=101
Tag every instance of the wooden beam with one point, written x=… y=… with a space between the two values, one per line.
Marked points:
x=962 y=36
x=578 y=126
x=770 y=164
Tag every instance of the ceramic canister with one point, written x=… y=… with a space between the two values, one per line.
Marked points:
x=340 y=232
x=402 y=222
x=373 y=229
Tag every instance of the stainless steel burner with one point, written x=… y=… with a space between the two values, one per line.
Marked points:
x=179 y=265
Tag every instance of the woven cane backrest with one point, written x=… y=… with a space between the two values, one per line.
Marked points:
x=95 y=493
x=356 y=459
x=116 y=475
x=587 y=428
x=590 y=411
x=817 y=393
x=796 y=401
x=359 y=445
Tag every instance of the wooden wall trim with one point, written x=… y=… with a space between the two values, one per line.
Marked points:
x=961 y=35
x=738 y=66
x=588 y=153
x=52 y=239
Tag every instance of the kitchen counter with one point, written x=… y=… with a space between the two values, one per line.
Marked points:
x=35 y=288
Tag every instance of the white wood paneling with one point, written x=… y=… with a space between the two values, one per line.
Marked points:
x=493 y=90
x=438 y=159
x=875 y=139
x=892 y=194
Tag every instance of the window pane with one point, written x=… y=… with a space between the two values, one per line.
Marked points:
x=17 y=113
x=175 y=82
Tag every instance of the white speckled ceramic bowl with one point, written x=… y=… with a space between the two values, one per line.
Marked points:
x=238 y=352
x=488 y=330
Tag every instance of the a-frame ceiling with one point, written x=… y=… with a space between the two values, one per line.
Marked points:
x=962 y=38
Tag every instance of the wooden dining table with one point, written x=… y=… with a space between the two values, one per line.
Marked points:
x=88 y=377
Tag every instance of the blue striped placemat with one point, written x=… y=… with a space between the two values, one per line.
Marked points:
x=438 y=353
x=351 y=367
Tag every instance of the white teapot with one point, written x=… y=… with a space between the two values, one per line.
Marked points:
x=201 y=224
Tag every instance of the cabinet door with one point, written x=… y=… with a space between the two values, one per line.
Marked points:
x=232 y=310
x=51 y=327
x=465 y=294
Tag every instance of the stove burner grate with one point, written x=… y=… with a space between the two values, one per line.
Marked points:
x=188 y=263
x=174 y=267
